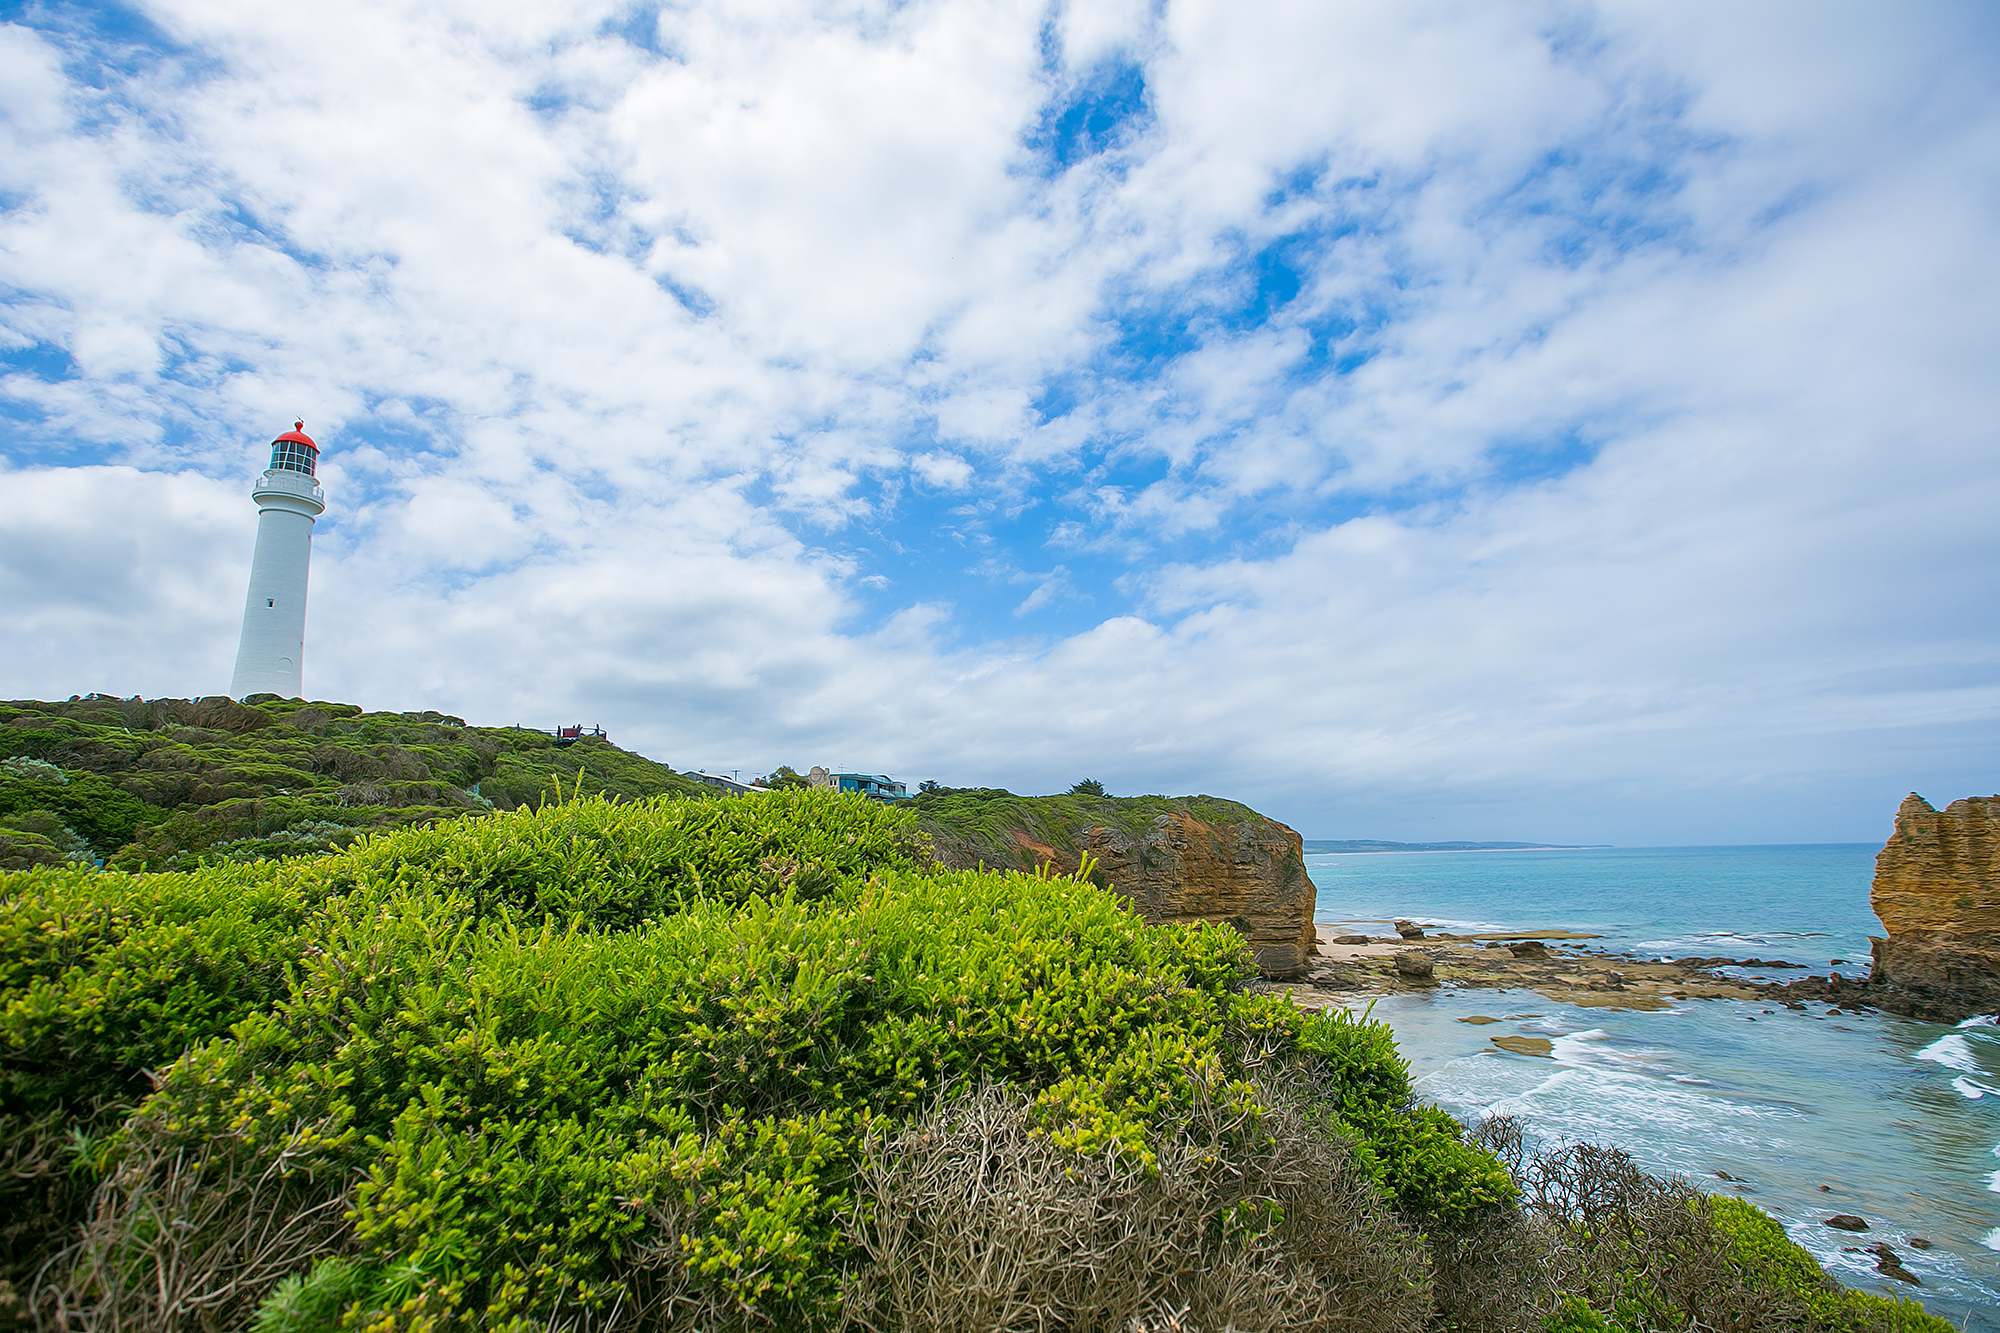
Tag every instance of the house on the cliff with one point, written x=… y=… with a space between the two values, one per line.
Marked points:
x=877 y=786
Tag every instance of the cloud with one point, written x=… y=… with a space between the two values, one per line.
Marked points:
x=1562 y=421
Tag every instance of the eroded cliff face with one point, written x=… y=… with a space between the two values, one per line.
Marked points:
x=1937 y=890
x=1251 y=875
x=1247 y=872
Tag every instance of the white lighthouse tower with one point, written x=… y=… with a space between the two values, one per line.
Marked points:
x=270 y=658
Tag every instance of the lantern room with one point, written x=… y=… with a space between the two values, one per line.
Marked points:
x=294 y=451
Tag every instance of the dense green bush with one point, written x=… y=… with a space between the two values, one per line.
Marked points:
x=1418 y=1153
x=511 y=1106
x=519 y=1051
x=1773 y=1260
x=107 y=976
x=618 y=864
x=103 y=977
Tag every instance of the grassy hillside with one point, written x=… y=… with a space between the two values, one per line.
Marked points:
x=976 y=826
x=161 y=783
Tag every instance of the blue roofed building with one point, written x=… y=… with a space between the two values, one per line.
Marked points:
x=877 y=786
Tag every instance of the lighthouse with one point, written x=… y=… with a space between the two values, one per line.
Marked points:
x=270 y=657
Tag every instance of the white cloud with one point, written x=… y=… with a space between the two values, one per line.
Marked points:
x=1610 y=456
x=945 y=471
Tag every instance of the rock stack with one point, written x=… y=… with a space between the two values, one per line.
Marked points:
x=1937 y=890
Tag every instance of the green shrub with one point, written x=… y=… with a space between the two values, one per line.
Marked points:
x=105 y=975
x=1575 y=1316
x=94 y=806
x=1775 y=1262
x=32 y=770
x=540 y=1061
x=616 y=865
x=312 y=1302
x=1417 y=1153
x=514 y=1108
x=511 y=1103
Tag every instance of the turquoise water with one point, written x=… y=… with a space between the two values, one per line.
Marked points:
x=1804 y=904
x=1899 y=1119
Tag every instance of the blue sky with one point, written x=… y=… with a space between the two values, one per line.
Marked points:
x=1563 y=421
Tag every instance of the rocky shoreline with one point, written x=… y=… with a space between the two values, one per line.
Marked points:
x=1936 y=890
x=1550 y=962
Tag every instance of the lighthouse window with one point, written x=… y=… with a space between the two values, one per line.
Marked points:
x=291 y=456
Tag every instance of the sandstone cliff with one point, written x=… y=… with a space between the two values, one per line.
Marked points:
x=1178 y=859
x=1937 y=890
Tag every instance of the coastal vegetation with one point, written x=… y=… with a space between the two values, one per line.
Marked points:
x=993 y=827
x=165 y=784
x=759 y=1062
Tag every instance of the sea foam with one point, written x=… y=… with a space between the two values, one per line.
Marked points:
x=1953 y=1052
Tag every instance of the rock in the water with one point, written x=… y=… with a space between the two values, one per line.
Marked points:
x=1409 y=930
x=1937 y=890
x=1889 y=1265
x=1528 y=949
x=1919 y=1243
x=1479 y=1020
x=1847 y=1222
x=1413 y=964
x=1540 y=1046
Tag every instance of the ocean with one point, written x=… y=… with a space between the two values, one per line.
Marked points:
x=1814 y=1112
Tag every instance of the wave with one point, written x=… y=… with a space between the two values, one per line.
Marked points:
x=1953 y=1052
x=1429 y=922
x=1973 y=1089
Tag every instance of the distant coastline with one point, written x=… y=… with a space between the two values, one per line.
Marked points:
x=1332 y=846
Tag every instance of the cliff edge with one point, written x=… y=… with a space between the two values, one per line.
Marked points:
x=1188 y=858
x=1937 y=890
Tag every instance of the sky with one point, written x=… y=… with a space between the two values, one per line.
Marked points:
x=1552 y=421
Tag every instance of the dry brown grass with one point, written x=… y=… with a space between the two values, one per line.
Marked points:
x=39 y=1198
x=973 y=1222
x=187 y=1237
